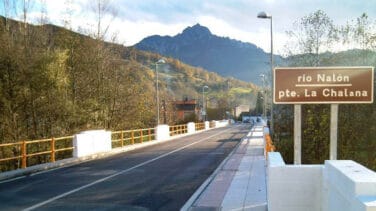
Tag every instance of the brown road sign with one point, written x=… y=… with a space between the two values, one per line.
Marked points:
x=323 y=85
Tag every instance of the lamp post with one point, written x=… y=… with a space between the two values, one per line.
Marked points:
x=159 y=62
x=264 y=90
x=203 y=103
x=264 y=15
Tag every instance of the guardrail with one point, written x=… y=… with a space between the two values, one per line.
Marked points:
x=269 y=146
x=212 y=124
x=199 y=126
x=130 y=137
x=28 y=153
x=178 y=129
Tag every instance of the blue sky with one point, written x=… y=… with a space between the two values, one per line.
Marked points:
x=136 y=19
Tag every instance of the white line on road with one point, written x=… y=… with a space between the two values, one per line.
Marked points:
x=116 y=174
x=10 y=180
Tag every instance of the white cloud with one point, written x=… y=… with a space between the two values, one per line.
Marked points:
x=235 y=19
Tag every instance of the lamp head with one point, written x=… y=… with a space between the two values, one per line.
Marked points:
x=161 y=61
x=263 y=15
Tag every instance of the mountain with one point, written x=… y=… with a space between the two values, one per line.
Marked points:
x=197 y=46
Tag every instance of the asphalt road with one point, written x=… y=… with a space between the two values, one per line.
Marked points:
x=159 y=177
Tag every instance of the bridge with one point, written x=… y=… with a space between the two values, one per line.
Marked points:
x=197 y=166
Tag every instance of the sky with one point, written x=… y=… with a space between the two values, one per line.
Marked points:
x=129 y=21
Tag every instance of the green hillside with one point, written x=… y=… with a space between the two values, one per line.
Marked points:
x=56 y=82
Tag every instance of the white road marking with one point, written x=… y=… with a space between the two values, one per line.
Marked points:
x=116 y=174
x=10 y=180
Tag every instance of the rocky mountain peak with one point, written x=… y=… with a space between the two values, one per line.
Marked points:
x=197 y=46
x=197 y=31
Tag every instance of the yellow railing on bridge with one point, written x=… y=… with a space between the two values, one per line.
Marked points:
x=27 y=153
x=129 y=137
x=23 y=154
x=178 y=129
x=199 y=126
x=269 y=146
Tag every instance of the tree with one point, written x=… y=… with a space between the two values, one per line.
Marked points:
x=313 y=34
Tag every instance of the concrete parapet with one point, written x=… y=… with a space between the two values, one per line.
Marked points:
x=207 y=125
x=221 y=123
x=293 y=187
x=162 y=132
x=349 y=186
x=275 y=159
x=337 y=185
x=91 y=142
x=191 y=127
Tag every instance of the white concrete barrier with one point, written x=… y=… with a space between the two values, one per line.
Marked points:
x=349 y=186
x=293 y=188
x=207 y=125
x=221 y=123
x=191 y=127
x=162 y=132
x=91 y=142
x=337 y=185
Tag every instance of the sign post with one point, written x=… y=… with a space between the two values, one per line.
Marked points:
x=333 y=131
x=322 y=85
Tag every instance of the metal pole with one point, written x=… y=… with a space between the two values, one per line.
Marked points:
x=203 y=104
x=297 y=134
x=333 y=131
x=272 y=81
x=156 y=70
x=265 y=97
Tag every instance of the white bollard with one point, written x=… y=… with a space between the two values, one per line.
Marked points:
x=191 y=127
x=91 y=142
x=162 y=132
x=207 y=125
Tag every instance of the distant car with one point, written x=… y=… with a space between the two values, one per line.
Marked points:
x=258 y=119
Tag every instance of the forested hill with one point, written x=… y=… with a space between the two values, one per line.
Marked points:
x=56 y=82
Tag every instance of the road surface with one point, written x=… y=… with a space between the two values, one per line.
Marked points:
x=159 y=177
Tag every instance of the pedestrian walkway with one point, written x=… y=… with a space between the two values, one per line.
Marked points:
x=240 y=183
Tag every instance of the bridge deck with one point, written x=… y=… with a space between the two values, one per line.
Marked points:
x=240 y=184
x=158 y=177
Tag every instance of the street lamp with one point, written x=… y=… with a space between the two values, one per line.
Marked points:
x=264 y=90
x=264 y=15
x=159 y=62
x=203 y=103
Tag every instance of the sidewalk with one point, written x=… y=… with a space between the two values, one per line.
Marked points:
x=240 y=183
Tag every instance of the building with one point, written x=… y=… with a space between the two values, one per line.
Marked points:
x=186 y=109
x=241 y=109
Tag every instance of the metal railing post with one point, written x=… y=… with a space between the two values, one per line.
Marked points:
x=23 y=152
x=141 y=137
x=132 y=136
x=52 y=149
x=122 y=138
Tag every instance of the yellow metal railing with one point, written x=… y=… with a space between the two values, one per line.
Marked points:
x=212 y=124
x=269 y=146
x=178 y=129
x=28 y=153
x=199 y=126
x=129 y=137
